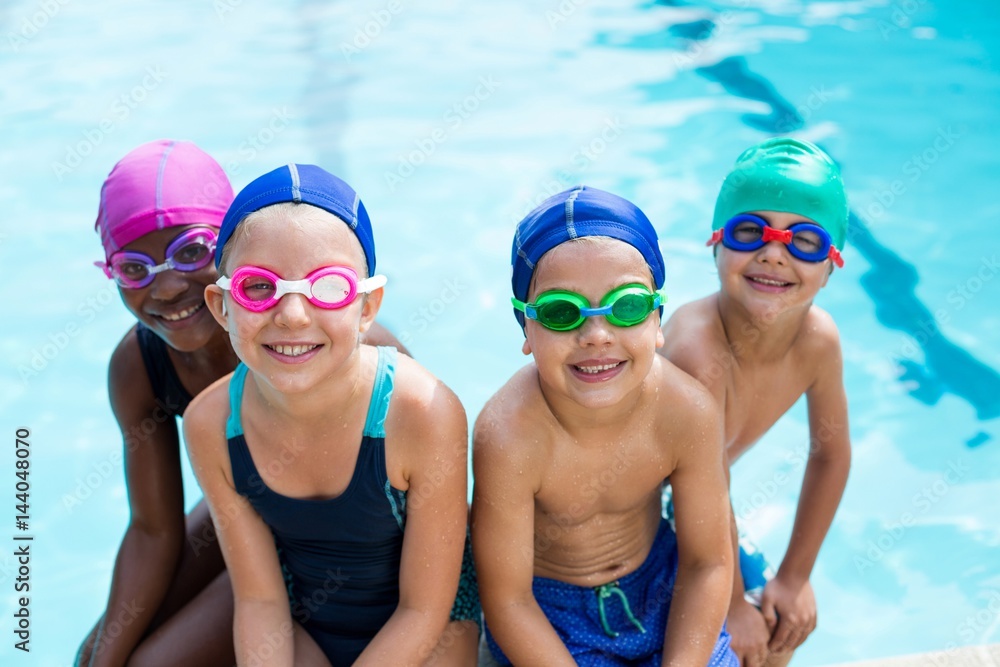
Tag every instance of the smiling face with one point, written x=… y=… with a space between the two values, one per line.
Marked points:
x=769 y=280
x=295 y=344
x=173 y=304
x=597 y=365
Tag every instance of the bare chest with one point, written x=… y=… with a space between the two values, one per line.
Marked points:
x=614 y=477
x=756 y=399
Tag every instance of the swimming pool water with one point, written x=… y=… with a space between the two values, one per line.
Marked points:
x=452 y=121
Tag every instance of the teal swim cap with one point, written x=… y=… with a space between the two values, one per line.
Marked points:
x=790 y=176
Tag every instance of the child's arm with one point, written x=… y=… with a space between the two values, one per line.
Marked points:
x=788 y=604
x=151 y=547
x=262 y=624
x=503 y=507
x=705 y=552
x=748 y=631
x=690 y=347
x=436 y=459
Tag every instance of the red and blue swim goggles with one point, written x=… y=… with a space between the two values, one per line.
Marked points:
x=805 y=240
x=328 y=287
x=191 y=250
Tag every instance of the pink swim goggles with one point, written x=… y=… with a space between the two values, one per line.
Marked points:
x=328 y=287
x=189 y=251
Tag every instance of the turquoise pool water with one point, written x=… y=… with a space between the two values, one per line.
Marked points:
x=452 y=121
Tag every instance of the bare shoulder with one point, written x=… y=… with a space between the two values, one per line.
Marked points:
x=684 y=408
x=128 y=384
x=511 y=427
x=694 y=337
x=820 y=332
x=420 y=400
x=678 y=394
x=819 y=342
x=205 y=424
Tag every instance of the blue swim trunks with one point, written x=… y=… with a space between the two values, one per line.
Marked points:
x=622 y=622
x=754 y=567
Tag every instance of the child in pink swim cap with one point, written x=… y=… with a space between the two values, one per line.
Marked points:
x=160 y=212
x=161 y=184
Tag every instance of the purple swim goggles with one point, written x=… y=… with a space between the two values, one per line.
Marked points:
x=190 y=251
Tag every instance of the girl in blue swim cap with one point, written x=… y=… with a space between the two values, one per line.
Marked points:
x=336 y=471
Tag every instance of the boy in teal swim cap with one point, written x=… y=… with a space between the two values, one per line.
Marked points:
x=758 y=344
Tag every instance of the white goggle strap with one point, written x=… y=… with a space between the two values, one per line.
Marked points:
x=371 y=284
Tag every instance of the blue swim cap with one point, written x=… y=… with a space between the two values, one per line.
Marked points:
x=577 y=212
x=305 y=184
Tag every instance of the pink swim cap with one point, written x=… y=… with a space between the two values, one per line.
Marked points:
x=161 y=184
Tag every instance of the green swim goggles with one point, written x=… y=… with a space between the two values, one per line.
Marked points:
x=624 y=306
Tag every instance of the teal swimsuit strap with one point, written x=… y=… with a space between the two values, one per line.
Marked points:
x=234 y=425
x=377 y=409
x=381 y=393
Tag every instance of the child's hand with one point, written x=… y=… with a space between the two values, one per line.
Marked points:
x=749 y=633
x=790 y=612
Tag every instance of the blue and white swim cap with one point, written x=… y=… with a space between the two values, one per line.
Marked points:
x=304 y=184
x=574 y=213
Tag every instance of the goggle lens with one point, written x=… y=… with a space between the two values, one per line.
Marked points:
x=559 y=314
x=632 y=309
x=332 y=288
x=256 y=288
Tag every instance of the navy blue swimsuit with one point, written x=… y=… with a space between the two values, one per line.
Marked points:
x=340 y=555
x=168 y=390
